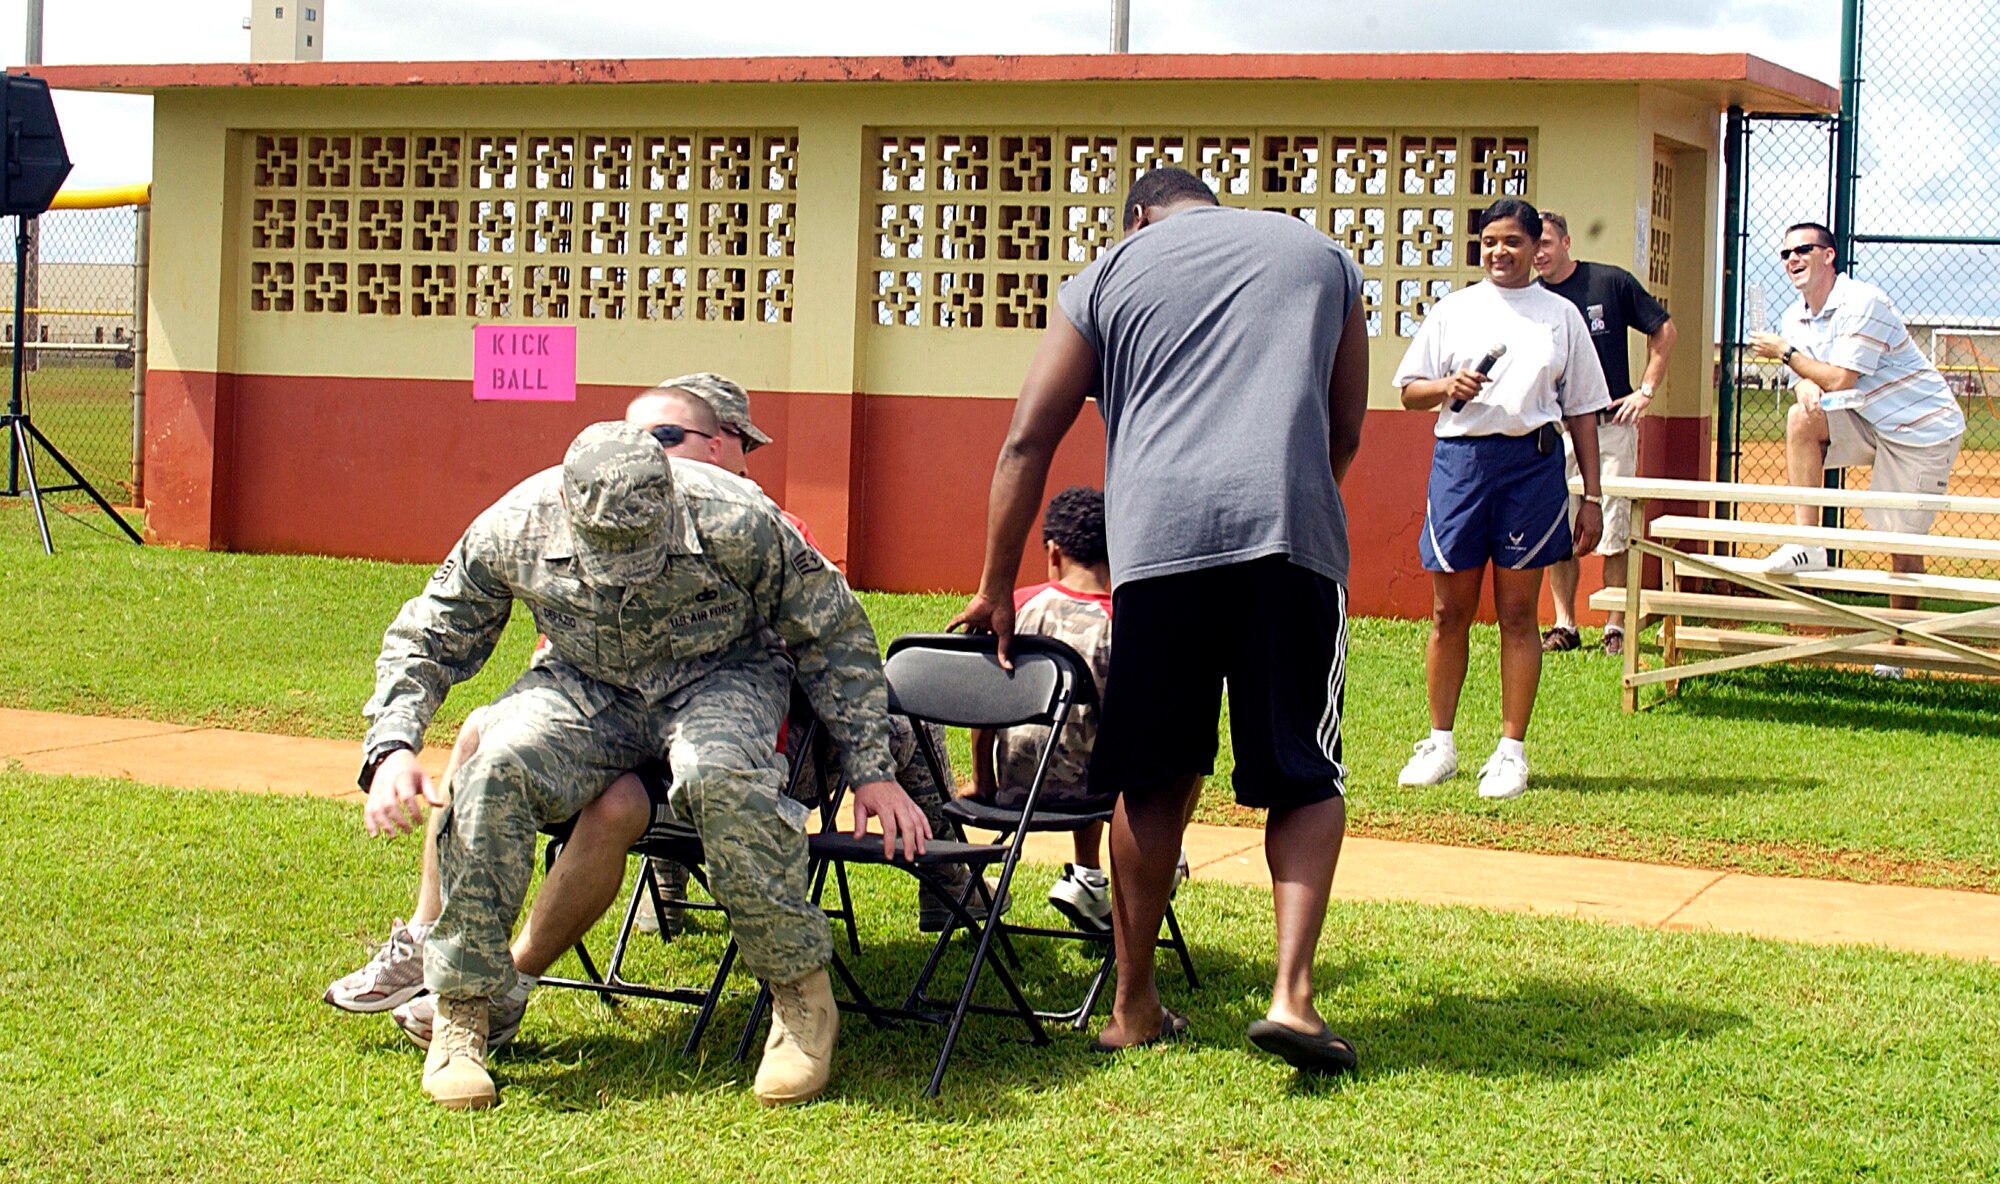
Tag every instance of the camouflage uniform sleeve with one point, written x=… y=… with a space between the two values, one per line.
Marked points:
x=809 y=604
x=442 y=636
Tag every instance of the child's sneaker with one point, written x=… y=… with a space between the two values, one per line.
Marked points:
x=1083 y=894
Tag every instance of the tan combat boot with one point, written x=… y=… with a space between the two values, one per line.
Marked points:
x=455 y=1068
x=798 y=1057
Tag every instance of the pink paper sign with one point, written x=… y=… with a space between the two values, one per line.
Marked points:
x=524 y=362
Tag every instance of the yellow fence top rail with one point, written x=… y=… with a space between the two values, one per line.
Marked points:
x=104 y=199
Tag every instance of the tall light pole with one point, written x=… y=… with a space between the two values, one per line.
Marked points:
x=1121 y=26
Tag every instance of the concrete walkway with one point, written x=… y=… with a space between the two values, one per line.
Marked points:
x=1924 y=920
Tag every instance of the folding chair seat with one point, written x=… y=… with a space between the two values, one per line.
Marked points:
x=956 y=681
x=669 y=841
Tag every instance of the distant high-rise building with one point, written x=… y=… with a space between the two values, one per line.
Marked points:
x=285 y=31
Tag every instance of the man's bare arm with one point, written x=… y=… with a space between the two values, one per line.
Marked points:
x=1059 y=379
x=1347 y=392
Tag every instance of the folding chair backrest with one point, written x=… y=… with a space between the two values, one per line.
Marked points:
x=956 y=679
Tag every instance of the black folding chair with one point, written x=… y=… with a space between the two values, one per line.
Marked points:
x=956 y=680
x=666 y=840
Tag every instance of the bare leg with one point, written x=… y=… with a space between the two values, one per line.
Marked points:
x=1806 y=440
x=1909 y=565
x=1301 y=845
x=1516 y=598
x=1089 y=845
x=1146 y=838
x=1614 y=577
x=586 y=876
x=1564 y=576
x=1454 y=598
x=430 y=900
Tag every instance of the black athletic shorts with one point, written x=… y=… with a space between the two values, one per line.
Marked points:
x=1276 y=633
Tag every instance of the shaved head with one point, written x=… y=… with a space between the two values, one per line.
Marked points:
x=671 y=404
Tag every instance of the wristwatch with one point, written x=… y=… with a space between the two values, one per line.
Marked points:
x=1645 y=390
x=374 y=759
x=1595 y=499
x=1786 y=357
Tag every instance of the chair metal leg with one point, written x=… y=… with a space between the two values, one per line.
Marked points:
x=1096 y=991
x=1180 y=946
x=980 y=955
x=707 y=1011
x=847 y=909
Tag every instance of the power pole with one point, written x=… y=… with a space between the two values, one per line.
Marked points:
x=1121 y=26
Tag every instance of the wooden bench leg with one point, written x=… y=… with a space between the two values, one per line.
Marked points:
x=1670 y=626
x=1635 y=625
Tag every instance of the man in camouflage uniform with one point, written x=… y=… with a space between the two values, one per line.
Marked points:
x=649 y=582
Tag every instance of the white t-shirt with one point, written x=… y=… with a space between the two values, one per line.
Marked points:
x=1550 y=369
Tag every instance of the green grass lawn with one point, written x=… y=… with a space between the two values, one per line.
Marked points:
x=87 y=412
x=1786 y=771
x=163 y=1022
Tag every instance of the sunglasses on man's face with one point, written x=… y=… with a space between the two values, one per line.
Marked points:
x=1800 y=251
x=672 y=435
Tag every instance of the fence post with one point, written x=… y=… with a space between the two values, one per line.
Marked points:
x=142 y=239
x=1732 y=311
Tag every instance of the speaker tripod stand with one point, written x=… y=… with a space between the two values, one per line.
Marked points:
x=19 y=428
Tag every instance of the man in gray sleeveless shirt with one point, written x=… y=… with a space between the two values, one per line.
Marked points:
x=1228 y=352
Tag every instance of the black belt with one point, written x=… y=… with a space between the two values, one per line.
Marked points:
x=1547 y=438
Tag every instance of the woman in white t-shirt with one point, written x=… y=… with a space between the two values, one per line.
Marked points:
x=1504 y=360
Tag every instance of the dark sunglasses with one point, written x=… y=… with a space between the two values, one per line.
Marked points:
x=1800 y=251
x=671 y=435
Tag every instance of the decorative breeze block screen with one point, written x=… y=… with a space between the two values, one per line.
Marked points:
x=606 y=224
x=975 y=228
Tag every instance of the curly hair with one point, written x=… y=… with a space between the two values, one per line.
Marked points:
x=1074 y=521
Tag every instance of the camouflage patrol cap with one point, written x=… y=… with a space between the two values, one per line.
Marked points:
x=619 y=492
x=731 y=403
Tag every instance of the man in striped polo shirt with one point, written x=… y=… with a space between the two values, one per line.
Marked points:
x=1865 y=396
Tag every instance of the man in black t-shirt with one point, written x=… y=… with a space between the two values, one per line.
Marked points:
x=1612 y=301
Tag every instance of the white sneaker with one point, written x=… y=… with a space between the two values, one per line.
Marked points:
x=1792 y=559
x=1505 y=776
x=1433 y=763
x=1083 y=894
x=393 y=977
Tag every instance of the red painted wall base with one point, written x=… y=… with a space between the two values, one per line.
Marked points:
x=894 y=487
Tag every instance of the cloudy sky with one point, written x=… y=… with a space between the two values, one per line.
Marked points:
x=1931 y=120
x=109 y=136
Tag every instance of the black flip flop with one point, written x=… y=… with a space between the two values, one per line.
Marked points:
x=1310 y=1052
x=1172 y=1026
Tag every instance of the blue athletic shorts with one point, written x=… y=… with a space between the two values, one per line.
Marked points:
x=1497 y=499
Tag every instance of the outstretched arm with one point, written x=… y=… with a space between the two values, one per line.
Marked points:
x=1059 y=380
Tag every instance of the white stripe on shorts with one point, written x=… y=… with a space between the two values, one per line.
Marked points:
x=1336 y=680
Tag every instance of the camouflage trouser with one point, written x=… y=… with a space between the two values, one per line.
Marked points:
x=542 y=758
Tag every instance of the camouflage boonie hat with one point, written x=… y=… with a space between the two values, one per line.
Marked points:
x=619 y=492
x=731 y=403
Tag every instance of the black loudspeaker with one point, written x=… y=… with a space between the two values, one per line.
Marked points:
x=37 y=162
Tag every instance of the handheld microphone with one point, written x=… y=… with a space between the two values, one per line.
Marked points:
x=1485 y=367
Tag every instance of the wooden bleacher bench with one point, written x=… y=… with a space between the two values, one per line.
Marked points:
x=1962 y=639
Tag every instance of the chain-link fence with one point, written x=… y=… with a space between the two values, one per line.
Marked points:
x=1788 y=167
x=1926 y=222
x=1925 y=229
x=80 y=324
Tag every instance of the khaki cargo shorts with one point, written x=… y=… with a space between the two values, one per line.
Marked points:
x=1617 y=456
x=1897 y=467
